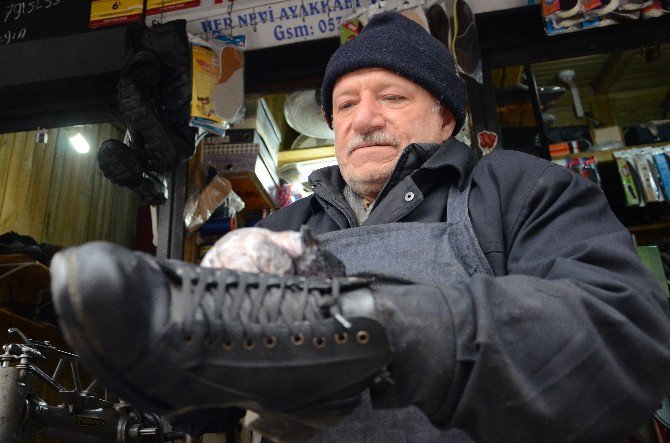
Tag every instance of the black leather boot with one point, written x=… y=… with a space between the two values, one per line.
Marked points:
x=122 y=165
x=154 y=95
x=155 y=92
x=162 y=141
x=174 y=337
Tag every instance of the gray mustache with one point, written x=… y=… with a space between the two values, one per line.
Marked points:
x=372 y=138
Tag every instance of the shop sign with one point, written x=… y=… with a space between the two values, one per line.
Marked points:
x=279 y=22
x=267 y=24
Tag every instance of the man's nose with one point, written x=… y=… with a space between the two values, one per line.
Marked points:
x=368 y=116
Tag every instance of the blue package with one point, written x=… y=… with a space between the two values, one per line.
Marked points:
x=663 y=167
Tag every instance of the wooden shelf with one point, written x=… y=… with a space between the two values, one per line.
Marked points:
x=301 y=155
x=607 y=156
x=659 y=226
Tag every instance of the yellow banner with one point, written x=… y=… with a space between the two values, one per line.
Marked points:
x=114 y=12
x=160 y=6
x=205 y=75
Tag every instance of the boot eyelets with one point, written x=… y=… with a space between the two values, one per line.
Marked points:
x=228 y=345
x=248 y=344
x=208 y=342
x=297 y=339
x=362 y=337
x=319 y=342
x=270 y=342
x=341 y=338
x=189 y=340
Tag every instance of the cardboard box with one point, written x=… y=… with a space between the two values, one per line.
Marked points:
x=651 y=257
x=259 y=117
x=253 y=192
x=608 y=134
x=243 y=137
x=242 y=157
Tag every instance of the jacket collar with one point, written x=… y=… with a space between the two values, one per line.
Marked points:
x=453 y=154
x=417 y=156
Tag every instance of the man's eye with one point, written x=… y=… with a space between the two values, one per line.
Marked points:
x=393 y=98
x=344 y=106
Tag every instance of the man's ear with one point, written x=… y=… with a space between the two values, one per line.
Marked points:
x=448 y=123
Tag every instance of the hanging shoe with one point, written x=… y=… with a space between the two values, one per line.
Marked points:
x=121 y=165
x=163 y=146
x=143 y=68
x=155 y=92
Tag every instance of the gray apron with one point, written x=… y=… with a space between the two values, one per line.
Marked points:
x=428 y=253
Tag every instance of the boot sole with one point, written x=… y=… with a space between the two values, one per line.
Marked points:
x=150 y=192
x=120 y=165
x=144 y=67
x=141 y=116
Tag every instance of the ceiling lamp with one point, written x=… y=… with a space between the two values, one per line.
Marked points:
x=78 y=142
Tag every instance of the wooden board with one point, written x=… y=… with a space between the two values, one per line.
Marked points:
x=55 y=195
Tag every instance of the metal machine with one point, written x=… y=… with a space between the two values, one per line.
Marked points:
x=80 y=416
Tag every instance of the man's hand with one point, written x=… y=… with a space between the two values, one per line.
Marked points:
x=265 y=251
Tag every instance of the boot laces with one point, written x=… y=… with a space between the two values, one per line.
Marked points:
x=237 y=305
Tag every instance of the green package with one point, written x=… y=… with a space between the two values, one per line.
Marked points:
x=627 y=180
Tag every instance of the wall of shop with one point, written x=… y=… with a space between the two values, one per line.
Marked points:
x=52 y=193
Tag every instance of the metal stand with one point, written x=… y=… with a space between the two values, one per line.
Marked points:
x=171 y=216
x=537 y=110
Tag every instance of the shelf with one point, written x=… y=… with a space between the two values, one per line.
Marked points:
x=301 y=155
x=659 y=226
x=606 y=156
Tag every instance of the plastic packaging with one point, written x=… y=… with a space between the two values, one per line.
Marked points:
x=228 y=92
x=645 y=174
x=650 y=186
x=574 y=15
x=218 y=82
x=630 y=188
x=201 y=204
x=587 y=167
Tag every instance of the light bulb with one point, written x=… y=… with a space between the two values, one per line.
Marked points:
x=79 y=143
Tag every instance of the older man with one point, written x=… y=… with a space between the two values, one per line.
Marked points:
x=500 y=301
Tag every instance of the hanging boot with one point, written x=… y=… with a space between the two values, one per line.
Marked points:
x=160 y=141
x=121 y=165
x=155 y=92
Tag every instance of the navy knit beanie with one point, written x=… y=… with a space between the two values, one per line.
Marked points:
x=394 y=42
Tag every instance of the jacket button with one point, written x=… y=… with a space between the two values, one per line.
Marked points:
x=409 y=196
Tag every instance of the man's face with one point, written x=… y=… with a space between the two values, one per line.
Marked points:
x=376 y=114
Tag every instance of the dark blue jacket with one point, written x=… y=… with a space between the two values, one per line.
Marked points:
x=571 y=338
